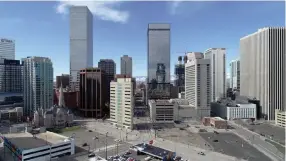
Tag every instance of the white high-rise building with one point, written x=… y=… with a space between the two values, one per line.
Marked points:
x=263 y=68
x=81 y=43
x=234 y=79
x=7 y=49
x=126 y=65
x=37 y=83
x=122 y=101
x=218 y=74
x=198 y=83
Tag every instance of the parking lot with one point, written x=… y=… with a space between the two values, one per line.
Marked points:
x=265 y=129
x=182 y=136
x=231 y=144
x=83 y=136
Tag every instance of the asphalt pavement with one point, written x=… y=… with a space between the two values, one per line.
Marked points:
x=268 y=149
x=231 y=144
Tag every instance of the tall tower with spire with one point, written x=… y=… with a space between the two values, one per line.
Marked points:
x=61 y=97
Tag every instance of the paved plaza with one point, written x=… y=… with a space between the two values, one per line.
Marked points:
x=231 y=144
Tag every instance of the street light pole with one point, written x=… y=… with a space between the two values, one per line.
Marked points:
x=106 y=145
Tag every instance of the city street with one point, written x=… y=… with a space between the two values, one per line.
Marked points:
x=266 y=148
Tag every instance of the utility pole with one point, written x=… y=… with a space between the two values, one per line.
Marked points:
x=106 y=145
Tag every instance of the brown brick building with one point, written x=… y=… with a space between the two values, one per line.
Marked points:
x=93 y=86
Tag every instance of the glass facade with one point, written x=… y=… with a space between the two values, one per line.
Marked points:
x=158 y=61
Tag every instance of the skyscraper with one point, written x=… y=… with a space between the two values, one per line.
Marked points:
x=7 y=49
x=126 y=65
x=38 y=84
x=11 y=76
x=234 y=79
x=198 y=83
x=109 y=67
x=158 y=65
x=263 y=68
x=93 y=91
x=122 y=101
x=81 y=42
x=218 y=77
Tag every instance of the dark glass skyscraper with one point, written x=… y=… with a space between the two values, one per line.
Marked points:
x=158 y=61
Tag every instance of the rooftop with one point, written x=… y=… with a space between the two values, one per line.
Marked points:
x=28 y=141
x=233 y=103
x=153 y=150
x=217 y=118
x=162 y=102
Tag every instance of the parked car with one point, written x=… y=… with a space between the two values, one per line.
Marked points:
x=84 y=144
x=215 y=140
x=90 y=155
x=201 y=153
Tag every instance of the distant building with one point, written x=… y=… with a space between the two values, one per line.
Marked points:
x=11 y=114
x=7 y=49
x=126 y=65
x=280 y=118
x=56 y=116
x=158 y=62
x=122 y=101
x=93 y=89
x=109 y=67
x=218 y=74
x=62 y=80
x=232 y=110
x=234 y=79
x=263 y=70
x=38 y=84
x=180 y=73
x=198 y=83
x=11 y=73
x=81 y=43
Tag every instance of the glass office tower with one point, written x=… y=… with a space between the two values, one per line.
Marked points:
x=158 y=61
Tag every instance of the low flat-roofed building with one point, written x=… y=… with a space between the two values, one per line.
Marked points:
x=231 y=110
x=11 y=114
x=215 y=122
x=38 y=147
x=280 y=118
x=163 y=111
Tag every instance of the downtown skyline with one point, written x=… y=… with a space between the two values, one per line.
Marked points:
x=46 y=32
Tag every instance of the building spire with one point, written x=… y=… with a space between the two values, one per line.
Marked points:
x=61 y=96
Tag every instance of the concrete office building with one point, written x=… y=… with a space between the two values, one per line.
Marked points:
x=122 y=101
x=198 y=83
x=263 y=69
x=280 y=118
x=81 y=43
x=11 y=73
x=158 y=63
x=62 y=80
x=218 y=74
x=233 y=109
x=234 y=80
x=109 y=67
x=163 y=111
x=7 y=49
x=126 y=65
x=37 y=84
x=93 y=88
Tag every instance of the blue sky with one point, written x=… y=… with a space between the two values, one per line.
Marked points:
x=42 y=28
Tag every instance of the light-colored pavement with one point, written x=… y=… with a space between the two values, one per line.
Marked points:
x=191 y=153
x=258 y=142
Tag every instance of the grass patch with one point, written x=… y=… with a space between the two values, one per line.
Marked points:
x=66 y=129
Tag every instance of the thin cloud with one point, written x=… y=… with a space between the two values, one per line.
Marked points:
x=174 y=6
x=11 y=20
x=103 y=10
